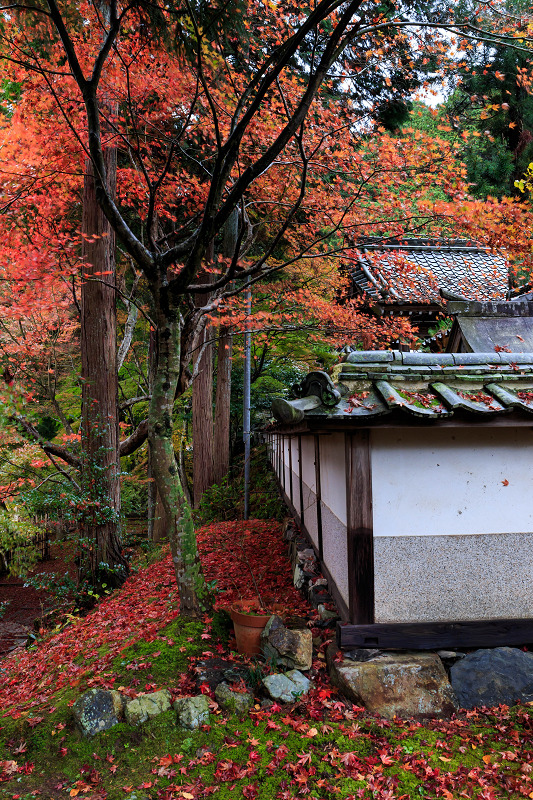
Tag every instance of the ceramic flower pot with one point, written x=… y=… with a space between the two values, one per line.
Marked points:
x=248 y=628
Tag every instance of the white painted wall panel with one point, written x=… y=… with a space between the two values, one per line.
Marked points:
x=310 y=513
x=295 y=456
x=308 y=462
x=445 y=481
x=333 y=474
x=309 y=487
x=286 y=471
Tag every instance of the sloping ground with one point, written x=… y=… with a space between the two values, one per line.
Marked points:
x=320 y=747
x=25 y=605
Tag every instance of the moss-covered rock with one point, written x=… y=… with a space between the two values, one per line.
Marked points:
x=229 y=700
x=192 y=711
x=98 y=710
x=147 y=706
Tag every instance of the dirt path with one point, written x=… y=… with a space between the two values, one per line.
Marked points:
x=26 y=605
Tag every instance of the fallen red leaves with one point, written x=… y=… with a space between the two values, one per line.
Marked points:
x=145 y=604
x=244 y=557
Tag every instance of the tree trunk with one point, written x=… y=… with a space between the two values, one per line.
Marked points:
x=222 y=405
x=100 y=434
x=164 y=466
x=202 y=407
x=224 y=363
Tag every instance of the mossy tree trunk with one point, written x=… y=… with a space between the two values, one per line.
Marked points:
x=180 y=525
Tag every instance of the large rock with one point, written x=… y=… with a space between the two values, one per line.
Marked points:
x=192 y=711
x=396 y=685
x=490 y=677
x=147 y=706
x=229 y=700
x=287 y=687
x=98 y=710
x=285 y=647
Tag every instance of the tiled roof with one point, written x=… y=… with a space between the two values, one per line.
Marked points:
x=415 y=270
x=431 y=386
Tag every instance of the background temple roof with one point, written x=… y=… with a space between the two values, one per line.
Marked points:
x=415 y=270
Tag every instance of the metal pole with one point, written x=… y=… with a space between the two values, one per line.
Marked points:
x=246 y=399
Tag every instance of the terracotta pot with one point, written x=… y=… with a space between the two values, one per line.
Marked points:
x=248 y=629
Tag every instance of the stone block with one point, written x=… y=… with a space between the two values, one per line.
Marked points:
x=403 y=685
x=229 y=700
x=491 y=677
x=147 y=706
x=290 y=648
x=192 y=711
x=98 y=710
x=287 y=687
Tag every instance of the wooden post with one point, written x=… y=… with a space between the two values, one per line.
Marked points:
x=318 y=497
x=359 y=527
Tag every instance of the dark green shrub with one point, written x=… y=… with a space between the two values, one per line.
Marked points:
x=225 y=501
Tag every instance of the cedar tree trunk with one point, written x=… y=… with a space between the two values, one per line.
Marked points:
x=100 y=466
x=202 y=406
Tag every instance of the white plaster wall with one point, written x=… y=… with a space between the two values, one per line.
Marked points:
x=310 y=513
x=295 y=456
x=286 y=471
x=456 y=482
x=333 y=474
x=308 y=462
x=295 y=474
x=275 y=445
x=309 y=487
x=333 y=490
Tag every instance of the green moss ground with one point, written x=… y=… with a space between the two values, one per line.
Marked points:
x=271 y=751
x=322 y=749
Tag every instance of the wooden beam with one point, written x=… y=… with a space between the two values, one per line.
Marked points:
x=318 y=499
x=359 y=527
x=436 y=635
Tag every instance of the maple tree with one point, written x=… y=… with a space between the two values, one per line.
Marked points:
x=226 y=123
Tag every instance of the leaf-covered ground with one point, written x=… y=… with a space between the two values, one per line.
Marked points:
x=321 y=747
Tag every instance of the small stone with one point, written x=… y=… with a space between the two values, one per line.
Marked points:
x=290 y=648
x=229 y=700
x=298 y=577
x=324 y=613
x=287 y=687
x=361 y=654
x=449 y=654
x=98 y=710
x=147 y=706
x=192 y=711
